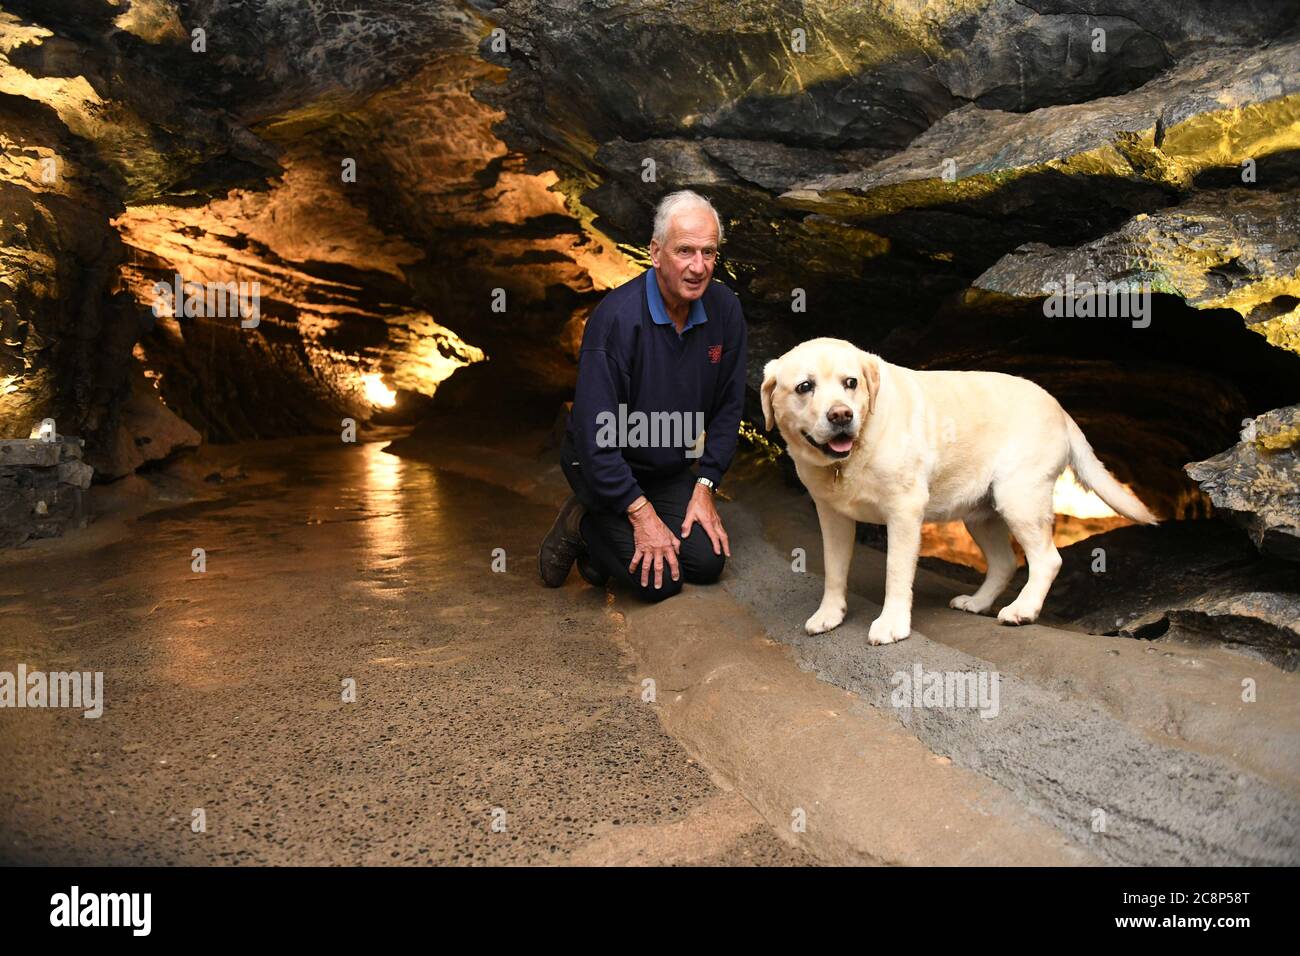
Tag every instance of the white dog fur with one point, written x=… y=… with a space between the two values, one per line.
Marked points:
x=928 y=446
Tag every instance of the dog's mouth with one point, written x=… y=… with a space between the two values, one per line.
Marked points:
x=837 y=446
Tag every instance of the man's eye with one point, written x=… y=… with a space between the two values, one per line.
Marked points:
x=804 y=388
x=850 y=383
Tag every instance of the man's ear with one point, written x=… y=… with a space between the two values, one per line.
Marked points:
x=870 y=375
x=769 y=386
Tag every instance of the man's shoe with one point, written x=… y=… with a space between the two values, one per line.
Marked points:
x=589 y=572
x=563 y=544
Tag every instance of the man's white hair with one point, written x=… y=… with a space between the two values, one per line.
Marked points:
x=681 y=201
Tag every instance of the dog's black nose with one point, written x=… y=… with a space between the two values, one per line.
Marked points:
x=839 y=414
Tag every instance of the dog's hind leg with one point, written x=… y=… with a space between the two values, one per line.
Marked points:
x=1027 y=509
x=994 y=538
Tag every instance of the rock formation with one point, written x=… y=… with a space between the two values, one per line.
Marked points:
x=1258 y=481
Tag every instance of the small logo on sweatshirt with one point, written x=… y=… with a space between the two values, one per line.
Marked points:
x=715 y=354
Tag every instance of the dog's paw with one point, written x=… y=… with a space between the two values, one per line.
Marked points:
x=825 y=619
x=1017 y=613
x=887 y=629
x=967 y=602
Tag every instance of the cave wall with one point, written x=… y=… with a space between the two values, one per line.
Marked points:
x=229 y=163
x=90 y=123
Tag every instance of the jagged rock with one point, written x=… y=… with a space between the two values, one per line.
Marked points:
x=1066 y=172
x=1212 y=109
x=1233 y=249
x=869 y=75
x=1258 y=481
x=1196 y=581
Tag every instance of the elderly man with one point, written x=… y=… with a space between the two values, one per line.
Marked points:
x=662 y=366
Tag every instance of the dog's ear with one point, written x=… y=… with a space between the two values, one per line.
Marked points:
x=769 y=386
x=870 y=375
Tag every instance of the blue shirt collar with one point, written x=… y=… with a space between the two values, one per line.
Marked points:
x=659 y=311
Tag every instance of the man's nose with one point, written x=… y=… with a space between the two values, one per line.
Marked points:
x=839 y=414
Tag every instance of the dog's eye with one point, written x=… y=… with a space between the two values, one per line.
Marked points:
x=803 y=388
x=850 y=383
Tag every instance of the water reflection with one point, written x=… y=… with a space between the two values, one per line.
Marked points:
x=383 y=496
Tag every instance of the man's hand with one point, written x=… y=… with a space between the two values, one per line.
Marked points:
x=654 y=545
x=701 y=510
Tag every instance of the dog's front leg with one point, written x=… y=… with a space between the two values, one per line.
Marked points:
x=838 y=534
x=895 y=621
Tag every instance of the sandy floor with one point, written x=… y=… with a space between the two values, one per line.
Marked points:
x=480 y=696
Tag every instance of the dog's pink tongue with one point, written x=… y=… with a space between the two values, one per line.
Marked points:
x=840 y=443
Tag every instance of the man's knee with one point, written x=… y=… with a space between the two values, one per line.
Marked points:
x=652 y=594
x=700 y=564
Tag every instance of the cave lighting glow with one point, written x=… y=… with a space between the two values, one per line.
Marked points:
x=1071 y=498
x=376 y=392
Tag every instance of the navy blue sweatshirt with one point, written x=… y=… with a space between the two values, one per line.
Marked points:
x=632 y=355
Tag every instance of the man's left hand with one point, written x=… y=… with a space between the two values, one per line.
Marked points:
x=701 y=510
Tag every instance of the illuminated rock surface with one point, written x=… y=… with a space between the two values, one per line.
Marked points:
x=1258 y=481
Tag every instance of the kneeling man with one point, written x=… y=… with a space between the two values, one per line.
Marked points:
x=662 y=367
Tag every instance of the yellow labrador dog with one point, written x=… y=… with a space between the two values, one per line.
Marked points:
x=889 y=445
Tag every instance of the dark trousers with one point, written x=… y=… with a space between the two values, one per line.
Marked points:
x=609 y=539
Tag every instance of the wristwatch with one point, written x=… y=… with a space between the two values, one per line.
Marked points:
x=707 y=483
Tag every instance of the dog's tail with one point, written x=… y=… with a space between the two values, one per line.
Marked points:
x=1093 y=474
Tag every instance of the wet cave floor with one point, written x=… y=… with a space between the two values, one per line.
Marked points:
x=494 y=721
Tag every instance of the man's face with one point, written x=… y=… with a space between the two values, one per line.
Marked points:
x=685 y=262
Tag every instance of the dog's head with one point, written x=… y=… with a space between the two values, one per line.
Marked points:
x=819 y=394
